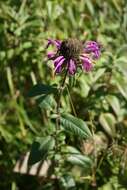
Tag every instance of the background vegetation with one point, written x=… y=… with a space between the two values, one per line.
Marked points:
x=100 y=98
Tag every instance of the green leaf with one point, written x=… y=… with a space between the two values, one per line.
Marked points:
x=71 y=17
x=46 y=102
x=72 y=81
x=114 y=103
x=98 y=74
x=75 y=125
x=75 y=157
x=107 y=121
x=40 y=89
x=90 y=7
x=40 y=148
x=121 y=84
x=72 y=150
x=80 y=160
x=67 y=182
x=122 y=50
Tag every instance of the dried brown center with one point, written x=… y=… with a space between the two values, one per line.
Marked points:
x=71 y=48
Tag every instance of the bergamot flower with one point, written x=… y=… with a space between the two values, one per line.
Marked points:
x=71 y=54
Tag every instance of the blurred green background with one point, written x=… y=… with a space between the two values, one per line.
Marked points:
x=24 y=28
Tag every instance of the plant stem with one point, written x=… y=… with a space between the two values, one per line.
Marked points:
x=59 y=100
x=54 y=162
x=71 y=102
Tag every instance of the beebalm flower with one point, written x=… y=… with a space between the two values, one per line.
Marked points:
x=71 y=54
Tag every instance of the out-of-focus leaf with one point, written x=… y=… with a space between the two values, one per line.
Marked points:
x=116 y=5
x=67 y=182
x=107 y=121
x=114 y=103
x=90 y=7
x=5 y=134
x=49 y=8
x=80 y=160
x=75 y=125
x=71 y=17
x=98 y=74
x=27 y=45
x=40 y=149
x=122 y=50
x=121 y=63
x=46 y=102
x=121 y=84
x=72 y=150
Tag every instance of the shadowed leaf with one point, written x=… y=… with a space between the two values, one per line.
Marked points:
x=40 y=149
x=40 y=89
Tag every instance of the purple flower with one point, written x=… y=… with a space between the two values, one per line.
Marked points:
x=57 y=43
x=50 y=55
x=87 y=63
x=70 y=54
x=58 y=63
x=92 y=47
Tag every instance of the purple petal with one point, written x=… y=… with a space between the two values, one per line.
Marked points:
x=59 y=69
x=58 y=59
x=92 y=47
x=57 y=43
x=72 y=67
x=58 y=65
x=50 y=55
x=87 y=64
x=96 y=54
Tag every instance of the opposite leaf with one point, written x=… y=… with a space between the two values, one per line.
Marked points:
x=75 y=125
x=40 y=148
x=41 y=89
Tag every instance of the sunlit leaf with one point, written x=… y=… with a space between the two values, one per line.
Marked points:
x=107 y=121
x=114 y=103
x=80 y=160
x=75 y=126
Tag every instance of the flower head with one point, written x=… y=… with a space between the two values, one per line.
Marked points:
x=71 y=54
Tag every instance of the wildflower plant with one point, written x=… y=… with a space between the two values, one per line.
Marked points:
x=68 y=57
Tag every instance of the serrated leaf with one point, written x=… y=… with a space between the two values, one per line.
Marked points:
x=107 y=121
x=40 y=89
x=40 y=149
x=75 y=125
